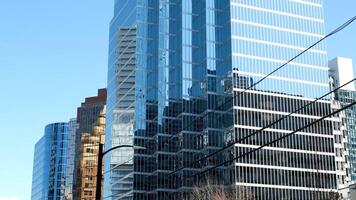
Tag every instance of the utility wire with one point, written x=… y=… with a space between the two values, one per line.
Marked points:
x=338 y=29
x=343 y=26
x=274 y=141
x=260 y=130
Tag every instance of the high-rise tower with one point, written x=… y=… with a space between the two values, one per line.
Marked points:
x=50 y=163
x=265 y=35
x=191 y=60
x=341 y=72
x=90 y=132
x=71 y=159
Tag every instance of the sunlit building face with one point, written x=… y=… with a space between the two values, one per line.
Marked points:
x=50 y=161
x=190 y=60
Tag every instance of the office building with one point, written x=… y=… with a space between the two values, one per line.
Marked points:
x=41 y=165
x=192 y=61
x=66 y=156
x=264 y=35
x=88 y=158
x=71 y=158
x=90 y=110
x=121 y=109
x=50 y=163
x=91 y=132
x=341 y=72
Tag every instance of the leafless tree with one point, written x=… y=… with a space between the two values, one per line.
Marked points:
x=335 y=196
x=209 y=191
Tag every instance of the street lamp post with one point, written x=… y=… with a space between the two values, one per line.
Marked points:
x=99 y=175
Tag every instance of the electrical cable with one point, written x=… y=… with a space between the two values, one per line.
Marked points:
x=262 y=129
x=343 y=26
x=276 y=140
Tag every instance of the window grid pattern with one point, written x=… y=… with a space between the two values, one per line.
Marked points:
x=192 y=58
x=264 y=36
x=49 y=172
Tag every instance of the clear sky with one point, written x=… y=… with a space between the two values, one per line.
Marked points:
x=53 y=54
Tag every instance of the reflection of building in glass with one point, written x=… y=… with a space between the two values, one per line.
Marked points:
x=242 y=81
x=302 y=164
x=89 y=111
x=121 y=108
x=49 y=170
x=190 y=61
x=171 y=88
x=265 y=34
x=348 y=125
x=341 y=71
x=41 y=165
x=91 y=131
x=87 y=158
x=70 y=171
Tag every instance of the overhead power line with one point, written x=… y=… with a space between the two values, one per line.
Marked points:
x=262 y=129
x=276 y=140
x=338 y=29
x=343 y=26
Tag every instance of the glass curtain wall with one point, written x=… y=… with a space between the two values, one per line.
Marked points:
x=118 y=170
x=192 y=60
x=264 y=35
x=70 y=171
x=49 y=172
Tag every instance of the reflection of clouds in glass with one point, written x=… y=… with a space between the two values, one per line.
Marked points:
x=9 y=198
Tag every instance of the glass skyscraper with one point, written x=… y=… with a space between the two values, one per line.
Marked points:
x=121 y=104
x=41 y=165
x=88 y=159
x=71 y=159
x=264 y=35
x=65 y=160
x=90 y=132
x=192 y=61
x=49 y=169
x=349 y=122
x=341 y=72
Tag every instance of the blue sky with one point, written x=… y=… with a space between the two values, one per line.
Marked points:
x=53 y=54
